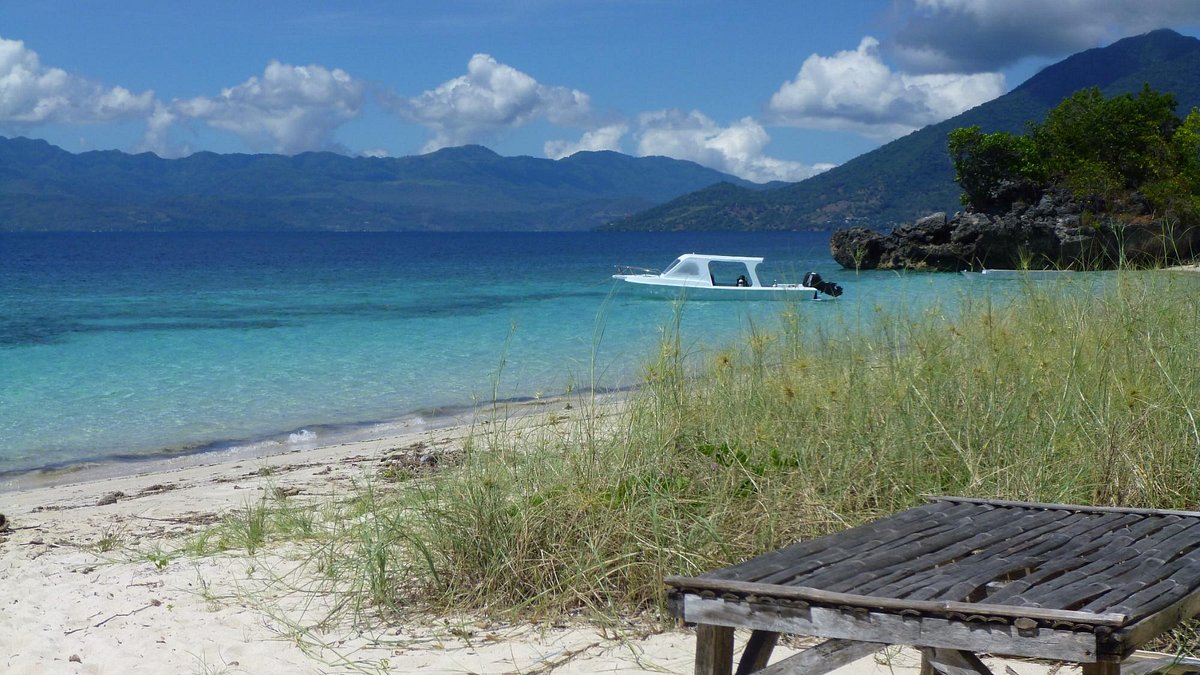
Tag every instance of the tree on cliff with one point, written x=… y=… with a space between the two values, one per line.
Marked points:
x=1101 y=183
x=1099 y=148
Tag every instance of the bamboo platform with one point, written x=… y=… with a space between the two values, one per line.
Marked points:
x=957 y=577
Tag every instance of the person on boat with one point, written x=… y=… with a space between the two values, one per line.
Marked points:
x=741 y=280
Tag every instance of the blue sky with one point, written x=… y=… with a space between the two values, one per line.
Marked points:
x=761 y=89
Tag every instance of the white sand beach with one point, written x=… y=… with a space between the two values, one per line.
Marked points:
x=86 y=587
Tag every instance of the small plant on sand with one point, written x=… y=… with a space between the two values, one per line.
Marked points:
x=157 y=557
x=273 y=517
x=109 y=540
x=247 y=528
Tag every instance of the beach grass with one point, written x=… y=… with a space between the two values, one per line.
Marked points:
x=1081 y=391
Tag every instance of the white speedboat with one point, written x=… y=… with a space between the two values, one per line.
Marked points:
x=702 y=276
x=1005 y=275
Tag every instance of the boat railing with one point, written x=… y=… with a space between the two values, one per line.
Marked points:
x=630 y=269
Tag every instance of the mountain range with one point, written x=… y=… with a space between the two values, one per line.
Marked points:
x=913 y=176
x=45 y=188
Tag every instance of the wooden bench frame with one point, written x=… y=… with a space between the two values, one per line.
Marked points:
x=949 y=634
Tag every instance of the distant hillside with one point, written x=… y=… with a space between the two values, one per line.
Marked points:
x=43 y=187
x=912 y=176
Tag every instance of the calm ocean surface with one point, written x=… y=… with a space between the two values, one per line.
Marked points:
x=123 y=346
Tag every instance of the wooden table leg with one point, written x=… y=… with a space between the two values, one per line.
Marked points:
x=1101 y=668
x=926 y=666
x=757 y=652
x=714 y=650
x=951 y=662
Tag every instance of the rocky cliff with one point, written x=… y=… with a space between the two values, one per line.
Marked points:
x=1054 y=231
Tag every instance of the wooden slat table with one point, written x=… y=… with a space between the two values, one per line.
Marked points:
x=956 y=577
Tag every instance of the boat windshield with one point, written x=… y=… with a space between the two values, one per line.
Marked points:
x=673 y=265
x=689 y=268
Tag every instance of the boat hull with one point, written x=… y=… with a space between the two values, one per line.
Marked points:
x=792 y=292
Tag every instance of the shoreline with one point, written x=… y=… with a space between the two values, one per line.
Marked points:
x=165 y=460
x=306 y=438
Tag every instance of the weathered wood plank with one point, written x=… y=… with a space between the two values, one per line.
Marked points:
x=714 y=650
x=1109 y=564
x=1045 y=574
x=972 y=530
x=838 y=553
x=1082 y=584
x=1105 y=601
x=1144 y=663
x=918 y=572
x=945 y=547
x=1142 y=573
x=823 y=658
x=886 y=534
x=882 y=627
x=1142 y=564
x=757 y=652
x=1138 y=634
x=1068 y=534
x=1083 y=535
x=781 y=559
x=785 y=569
x=892 y=604
x=1176 y=579
x=1068 y=507
x=1173 y=534
x=1072 y=556
x=973 y=587
x=954 y=662
x=1172 y=581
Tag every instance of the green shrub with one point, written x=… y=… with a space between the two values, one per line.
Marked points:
x=1097 y=147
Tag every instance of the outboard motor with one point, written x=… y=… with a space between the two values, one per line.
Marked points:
x=813 y=280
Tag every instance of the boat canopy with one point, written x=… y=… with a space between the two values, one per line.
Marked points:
x=717 y=270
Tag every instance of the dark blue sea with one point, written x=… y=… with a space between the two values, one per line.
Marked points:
x=127 y=346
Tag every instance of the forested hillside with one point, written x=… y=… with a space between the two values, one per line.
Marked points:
x=913 y=176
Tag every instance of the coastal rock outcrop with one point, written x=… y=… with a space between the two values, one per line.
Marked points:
x=1055 y=231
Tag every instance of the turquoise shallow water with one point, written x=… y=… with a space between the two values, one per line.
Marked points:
x=125 y=346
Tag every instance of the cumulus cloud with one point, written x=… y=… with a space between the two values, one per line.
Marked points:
x=736 y=149
x=491 y=98
x=158 y=127
x=985 y=35
x=605 y=138
x=856 y=91
x=32 y=94
x=290 y=109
